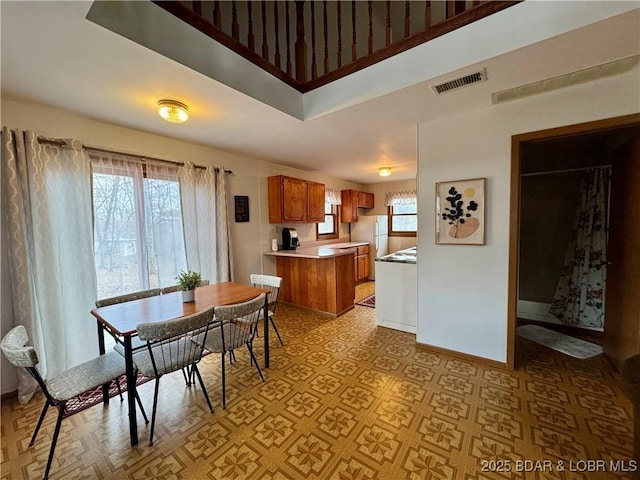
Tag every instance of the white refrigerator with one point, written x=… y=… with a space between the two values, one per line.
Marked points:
x=373 y=229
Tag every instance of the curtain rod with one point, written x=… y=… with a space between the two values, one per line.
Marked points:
x=549 y=172
x=63 y=143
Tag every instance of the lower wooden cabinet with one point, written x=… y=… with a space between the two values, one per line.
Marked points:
x=322 y=284
x=361 y=265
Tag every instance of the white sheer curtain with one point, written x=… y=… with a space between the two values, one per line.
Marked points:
x=46 y=202
x=138 y=223
x=203 y=193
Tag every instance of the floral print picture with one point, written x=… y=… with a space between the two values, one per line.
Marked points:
x=460 y=212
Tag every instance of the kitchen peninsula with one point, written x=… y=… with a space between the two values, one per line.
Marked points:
x=320 y=278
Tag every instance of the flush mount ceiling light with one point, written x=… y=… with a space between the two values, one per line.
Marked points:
x=173 y=111
x=384 y=171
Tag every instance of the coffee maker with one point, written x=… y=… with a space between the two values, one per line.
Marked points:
x=290 y=239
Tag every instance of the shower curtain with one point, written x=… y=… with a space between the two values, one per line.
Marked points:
x=580 y=294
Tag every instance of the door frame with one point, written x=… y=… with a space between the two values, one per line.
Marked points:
x=517 y=142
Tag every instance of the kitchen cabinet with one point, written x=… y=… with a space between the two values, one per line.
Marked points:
x=361 y=263
x=351 y=201
x=366 y=200
x=322 y=284
x=294 y=200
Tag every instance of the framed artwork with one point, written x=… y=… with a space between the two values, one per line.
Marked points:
x=242 y=208
x=460 y=212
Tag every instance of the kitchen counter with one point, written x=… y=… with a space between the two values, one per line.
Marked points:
x=323 y=251
x=408 y=255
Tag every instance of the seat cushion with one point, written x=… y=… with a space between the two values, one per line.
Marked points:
x=86 y=376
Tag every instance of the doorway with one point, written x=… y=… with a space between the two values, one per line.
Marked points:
x=568 y=149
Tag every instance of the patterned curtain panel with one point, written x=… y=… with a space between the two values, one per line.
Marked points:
x=224 y=254
x=205 y=221
x=46 y=204
x=395 y=199
x=580 y=294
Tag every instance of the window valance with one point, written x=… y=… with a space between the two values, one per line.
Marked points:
x=395 y=199
x=332 y=196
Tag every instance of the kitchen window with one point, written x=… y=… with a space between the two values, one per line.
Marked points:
x=329 y=228
x=138 y=236
x=403 y=213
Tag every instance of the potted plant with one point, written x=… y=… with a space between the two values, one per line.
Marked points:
x=188 y=281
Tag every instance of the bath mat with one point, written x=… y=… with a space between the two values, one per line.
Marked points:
x=558 y=341
x=369 y=301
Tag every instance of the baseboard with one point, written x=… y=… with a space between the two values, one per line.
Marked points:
x=465 y=356
x=8 y=395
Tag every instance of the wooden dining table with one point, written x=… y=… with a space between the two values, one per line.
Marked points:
x=121 y=321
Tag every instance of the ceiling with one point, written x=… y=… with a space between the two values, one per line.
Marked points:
x=51 y=54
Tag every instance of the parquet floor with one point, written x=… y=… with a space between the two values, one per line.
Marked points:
x=346 y=400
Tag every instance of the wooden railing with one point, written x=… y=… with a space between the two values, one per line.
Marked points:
x=308 y=44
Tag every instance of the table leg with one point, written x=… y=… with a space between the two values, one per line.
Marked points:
x=266 y=331
x=131 y=390
x=101 y=349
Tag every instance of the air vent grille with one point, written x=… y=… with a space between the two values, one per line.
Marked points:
x=460 y=82
x=573 y=78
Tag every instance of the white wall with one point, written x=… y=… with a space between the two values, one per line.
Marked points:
x=462 y=290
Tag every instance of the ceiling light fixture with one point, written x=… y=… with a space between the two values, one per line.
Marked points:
x=173 y=111
x=384 y=171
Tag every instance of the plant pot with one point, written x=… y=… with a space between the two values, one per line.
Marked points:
x=188 y=295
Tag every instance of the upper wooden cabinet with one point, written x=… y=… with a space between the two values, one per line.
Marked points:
x=351 y=201
x=295 y=200
x=366 y=200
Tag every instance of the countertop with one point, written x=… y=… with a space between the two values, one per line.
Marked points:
x=323 y=251
x=408 y=255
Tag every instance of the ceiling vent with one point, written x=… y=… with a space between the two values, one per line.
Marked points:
x=568 y=79
x=460 y=82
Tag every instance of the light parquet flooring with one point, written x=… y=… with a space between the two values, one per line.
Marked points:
x=346 y=400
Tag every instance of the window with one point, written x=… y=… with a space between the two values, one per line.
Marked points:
x=403 y=213
x=138 y=239
x=329 y=228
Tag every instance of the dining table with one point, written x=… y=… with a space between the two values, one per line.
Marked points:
x=121 y=320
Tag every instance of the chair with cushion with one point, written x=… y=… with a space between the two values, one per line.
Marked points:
x=66 y=386
x=234 y=326
x=170 y=347
x=273 y=284
x=127 y=297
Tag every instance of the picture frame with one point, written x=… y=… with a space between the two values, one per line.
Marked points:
x=460 y=212
x=241 y=208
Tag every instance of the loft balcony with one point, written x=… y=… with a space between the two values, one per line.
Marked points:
x=308 y=44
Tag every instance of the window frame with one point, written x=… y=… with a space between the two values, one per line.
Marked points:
x=336 y=233
x=394 y=233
